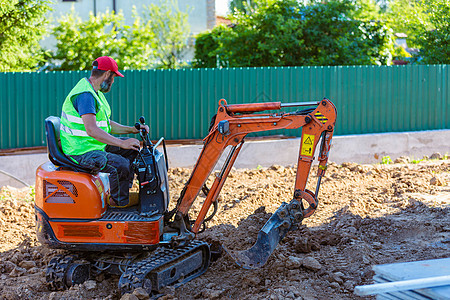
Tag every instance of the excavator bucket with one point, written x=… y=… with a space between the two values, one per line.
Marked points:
x=269 y=236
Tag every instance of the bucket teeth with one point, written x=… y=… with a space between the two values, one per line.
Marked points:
x=284 y=219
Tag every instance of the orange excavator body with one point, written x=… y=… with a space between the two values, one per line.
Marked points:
x=74 y=204
x=72 y=210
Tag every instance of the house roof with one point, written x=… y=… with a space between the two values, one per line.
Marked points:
x=222 y=20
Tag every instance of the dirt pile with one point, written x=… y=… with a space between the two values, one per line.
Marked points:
x=368 y=214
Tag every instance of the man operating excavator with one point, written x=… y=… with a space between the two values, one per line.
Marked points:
x=86 y=130
x=147 y=244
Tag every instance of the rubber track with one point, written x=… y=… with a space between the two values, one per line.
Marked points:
x=56 y=269
x=135 y=274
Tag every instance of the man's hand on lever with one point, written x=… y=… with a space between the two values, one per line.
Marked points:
x=143 y=126
x=130 y=143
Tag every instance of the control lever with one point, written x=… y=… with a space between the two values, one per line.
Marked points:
x=142 y=133
x=138 y=127
x=142 y=120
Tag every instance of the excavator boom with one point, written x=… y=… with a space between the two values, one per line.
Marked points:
x=231 y=125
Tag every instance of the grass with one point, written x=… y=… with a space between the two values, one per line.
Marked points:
x=386 y=160
x=25 y=194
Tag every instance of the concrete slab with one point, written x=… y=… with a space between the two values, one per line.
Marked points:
x=418 y=270
x=22 y=167
x=370 y=148
x=363 y=149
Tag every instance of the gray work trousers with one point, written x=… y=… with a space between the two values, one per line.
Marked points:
x=115 y=161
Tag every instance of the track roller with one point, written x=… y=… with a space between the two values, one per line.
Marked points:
x=64 y=271
x=166 y=267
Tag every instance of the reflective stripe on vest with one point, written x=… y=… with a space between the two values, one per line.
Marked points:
x=73 y=132
x=79 y=120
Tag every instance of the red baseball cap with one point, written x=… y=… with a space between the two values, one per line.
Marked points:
x=106 y=63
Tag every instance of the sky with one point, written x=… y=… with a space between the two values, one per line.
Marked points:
x=222 y=7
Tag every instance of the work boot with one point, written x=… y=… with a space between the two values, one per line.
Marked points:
x=134 y=199
x=112 y=202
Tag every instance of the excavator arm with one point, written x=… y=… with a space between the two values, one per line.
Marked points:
x=231 y=126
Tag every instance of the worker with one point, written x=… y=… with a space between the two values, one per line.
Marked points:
x=86 y=130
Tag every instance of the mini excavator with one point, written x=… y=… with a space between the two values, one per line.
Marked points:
x=147 y=244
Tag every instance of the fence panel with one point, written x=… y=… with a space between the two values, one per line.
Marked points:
x=179 y=104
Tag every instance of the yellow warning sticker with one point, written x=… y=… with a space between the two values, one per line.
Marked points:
x=307 y=145
x=99 y=185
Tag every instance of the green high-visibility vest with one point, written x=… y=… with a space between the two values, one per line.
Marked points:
x=74 y=138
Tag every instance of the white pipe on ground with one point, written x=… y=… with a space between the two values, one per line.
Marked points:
x=404 y=285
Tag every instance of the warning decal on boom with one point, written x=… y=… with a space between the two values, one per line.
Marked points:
x=321 y=117
x=307 y=144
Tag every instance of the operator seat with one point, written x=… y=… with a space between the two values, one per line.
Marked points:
x=55 y=153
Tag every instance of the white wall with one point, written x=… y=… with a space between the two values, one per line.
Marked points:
x=365 y=148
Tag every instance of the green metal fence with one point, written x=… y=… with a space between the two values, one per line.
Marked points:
x=179 y=104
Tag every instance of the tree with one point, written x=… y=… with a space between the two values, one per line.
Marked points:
x=366 y=10
x=286 y=33
x=245 y=6
x=171 y=29
x=22 y=25
x=426 y=23
x=80 y=43
x=334 y=34
x=271 y=36
x=207 y=46
x=434 y=38
x=139 y=46
x=156 y=38
x=408 y=17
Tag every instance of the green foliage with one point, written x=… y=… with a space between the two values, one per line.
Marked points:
x=80 y=43
x=269 y=37
x=406 y=16
x=22 y=25
x=171 y=29
x=434 y=39
x=386 y=160
x=427 y=25
x=366 y=10
x=400 y=53
x=156 y=38
x=244 y=6
x=286 y=33
x=32 y=194
x=139 y=44
x=206 y=46
x=416 y=161
x=335 y=37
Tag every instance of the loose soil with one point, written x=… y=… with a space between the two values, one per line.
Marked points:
x=368 y=215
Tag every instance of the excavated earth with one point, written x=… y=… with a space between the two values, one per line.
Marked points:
x=368 y=215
